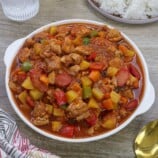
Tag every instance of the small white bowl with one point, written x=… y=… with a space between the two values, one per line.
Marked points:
x=146 y=102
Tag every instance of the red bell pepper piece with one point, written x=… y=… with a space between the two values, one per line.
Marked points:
x=92 y=119
x=60 y=97
x=30 y=101
x=21 y=77
x=92 y=56
x=67 y=131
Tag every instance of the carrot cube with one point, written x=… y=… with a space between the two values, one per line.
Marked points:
x=94 y=76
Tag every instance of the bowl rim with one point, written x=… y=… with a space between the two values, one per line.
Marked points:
x=76 y=140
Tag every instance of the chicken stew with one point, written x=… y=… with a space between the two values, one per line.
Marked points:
x=77 y=80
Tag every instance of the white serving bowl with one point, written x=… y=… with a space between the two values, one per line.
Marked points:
x=146 y=101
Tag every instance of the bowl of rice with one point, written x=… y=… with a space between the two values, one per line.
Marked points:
x=128 y=11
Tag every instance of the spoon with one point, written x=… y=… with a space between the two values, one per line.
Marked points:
x=146 y=142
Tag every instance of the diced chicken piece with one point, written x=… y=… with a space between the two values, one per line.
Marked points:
x=24 y=54
x=50 y=98
x=14 y=87
x=55 y=46
x=40 y=116
x=105 y=28
x=128 y=93
x=118 y=53
x=67 y=60
x=106 y=81
x=50 y=92
x=30 y=42
x=67 y=46
x=80 y=30
x=42 y=35
x=39 y=110
x=103 y=59
x=83 y=116
x=53 y=63
x=78 y=110
x=76 y=58
x=34 y=56
x=14 y=76
x=123 y=112
x=83 y=50
x=18 y=76
x=111 y=49
x=116 y=62
x=114 y=35
x=105 y=87
x=99 y=41
x=40 y=121
x=63 y=31
x=74 y=69
x=71 y=59
x=46 y=52
x=39 y=65
x=101 y=44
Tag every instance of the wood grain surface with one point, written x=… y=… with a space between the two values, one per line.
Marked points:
x=119 y=145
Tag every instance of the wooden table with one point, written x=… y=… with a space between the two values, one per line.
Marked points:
x=145 y=36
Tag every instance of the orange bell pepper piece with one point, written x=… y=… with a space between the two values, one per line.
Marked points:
x=94 y=76
x=123 y=48
x=108 y=104
x=44 y=79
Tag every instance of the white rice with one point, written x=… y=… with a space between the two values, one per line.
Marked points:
x=130 y=9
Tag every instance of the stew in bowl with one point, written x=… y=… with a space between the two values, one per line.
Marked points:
x=77 y=80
